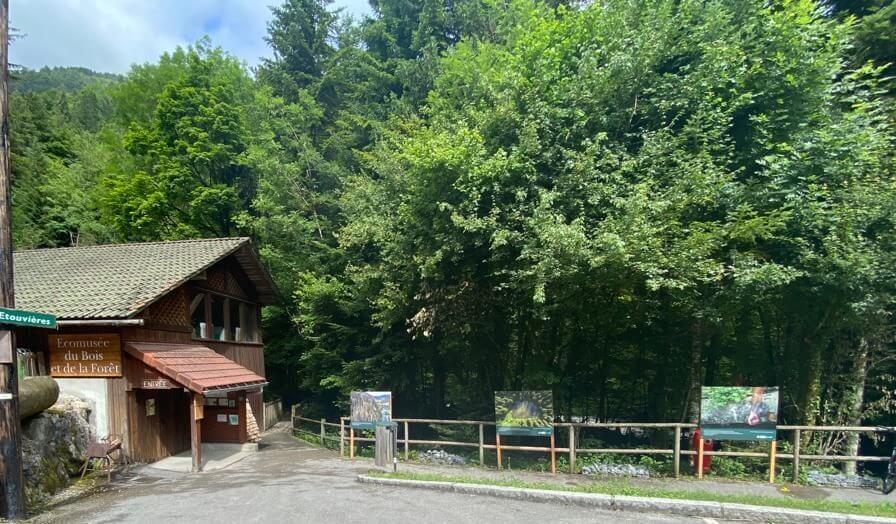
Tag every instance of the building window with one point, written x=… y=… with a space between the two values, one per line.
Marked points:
x=214 y=317
x=235 y=332
x=249 y=322
x=219 y=331
x=31 y=363
x=197 y=316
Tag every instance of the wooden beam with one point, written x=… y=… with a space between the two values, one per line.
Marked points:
x=12 y=505
x=553 y=454
x=676 y=459
x=196 y=414
x=700 y=458
x=772 y=455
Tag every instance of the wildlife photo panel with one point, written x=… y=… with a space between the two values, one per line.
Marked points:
x=524 y=412
x=370 y=408
x=739 y=413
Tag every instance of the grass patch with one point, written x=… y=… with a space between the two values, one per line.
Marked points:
x=884 y=509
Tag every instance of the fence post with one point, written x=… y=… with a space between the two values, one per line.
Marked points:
x=772 y=456
x=498 y=446
x=676 y=457
x=572 y=448
x=700 y=458
x=351 y=442
x=323 y=432
x=553 y=455
x=481 y=442
x=341 y=437
x=796 y=455
x=406 y=442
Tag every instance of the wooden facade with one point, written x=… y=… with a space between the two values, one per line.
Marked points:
x=155 y=423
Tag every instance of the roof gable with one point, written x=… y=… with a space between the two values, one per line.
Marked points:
x=119 y=280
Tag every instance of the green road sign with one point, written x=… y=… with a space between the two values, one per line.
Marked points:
x=20 y=317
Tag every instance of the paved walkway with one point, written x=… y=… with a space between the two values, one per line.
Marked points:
x=214 y=457
x=289 y=481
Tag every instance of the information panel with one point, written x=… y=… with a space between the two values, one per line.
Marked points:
x=370 y=408
x=524 y=413
x=739 y=413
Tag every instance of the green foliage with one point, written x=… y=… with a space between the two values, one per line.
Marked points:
x=191 y=177
x=65 y=79
x=616 y=201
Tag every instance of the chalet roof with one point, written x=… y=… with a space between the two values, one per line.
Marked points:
x=197 y=368
x=120 y=280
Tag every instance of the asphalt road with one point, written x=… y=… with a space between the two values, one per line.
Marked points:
x=288 y=481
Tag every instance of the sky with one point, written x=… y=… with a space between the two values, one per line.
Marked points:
x=110 y=35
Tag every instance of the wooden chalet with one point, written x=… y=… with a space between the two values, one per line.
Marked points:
x=162 y=339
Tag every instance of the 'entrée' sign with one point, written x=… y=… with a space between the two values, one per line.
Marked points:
x=94 y=355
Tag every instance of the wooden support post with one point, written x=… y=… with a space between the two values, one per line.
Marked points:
x=498 y=447
x=676 y=458
x=796 y=454
x=700 y=458
x=481 y=445
x=553 y=454
x=12 y=504
x=572 y=449
x=351 y=442
x=407 y=444
x=341 y=437
x=323 y=433
x=772 y=456
x=196 y=431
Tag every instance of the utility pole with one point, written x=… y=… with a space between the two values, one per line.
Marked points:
x=12 y=504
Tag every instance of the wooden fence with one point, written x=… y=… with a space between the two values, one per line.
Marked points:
x=344 y=435
x=273 y=413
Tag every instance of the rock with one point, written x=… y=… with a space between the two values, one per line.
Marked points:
x=53 y=447
x=442 y=457
x=838 y=480
x=616 y=470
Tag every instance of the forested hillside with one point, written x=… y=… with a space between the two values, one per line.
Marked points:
x=67 y=79
x=618 y=201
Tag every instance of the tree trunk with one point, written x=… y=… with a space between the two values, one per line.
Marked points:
x=695 y=380
x=855 y=397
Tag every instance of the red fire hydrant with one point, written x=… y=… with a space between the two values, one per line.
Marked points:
x=707 y=446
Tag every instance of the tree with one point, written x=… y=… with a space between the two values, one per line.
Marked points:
x=191 y=177
x=635 y=192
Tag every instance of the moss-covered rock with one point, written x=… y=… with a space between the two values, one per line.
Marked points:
x=54 y=443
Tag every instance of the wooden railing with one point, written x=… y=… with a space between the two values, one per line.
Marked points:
x=345 y=435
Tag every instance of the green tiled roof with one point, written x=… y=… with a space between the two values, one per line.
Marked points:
x=112 y=281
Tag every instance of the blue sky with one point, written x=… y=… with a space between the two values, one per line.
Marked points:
x=110 y=35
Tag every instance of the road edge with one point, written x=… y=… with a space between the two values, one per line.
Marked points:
x=691 y=508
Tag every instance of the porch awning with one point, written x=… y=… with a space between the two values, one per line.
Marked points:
x=197 y=368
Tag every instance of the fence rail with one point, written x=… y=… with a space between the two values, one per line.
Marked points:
x=346 y=437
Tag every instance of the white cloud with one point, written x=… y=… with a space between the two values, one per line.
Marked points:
x=110 y=35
